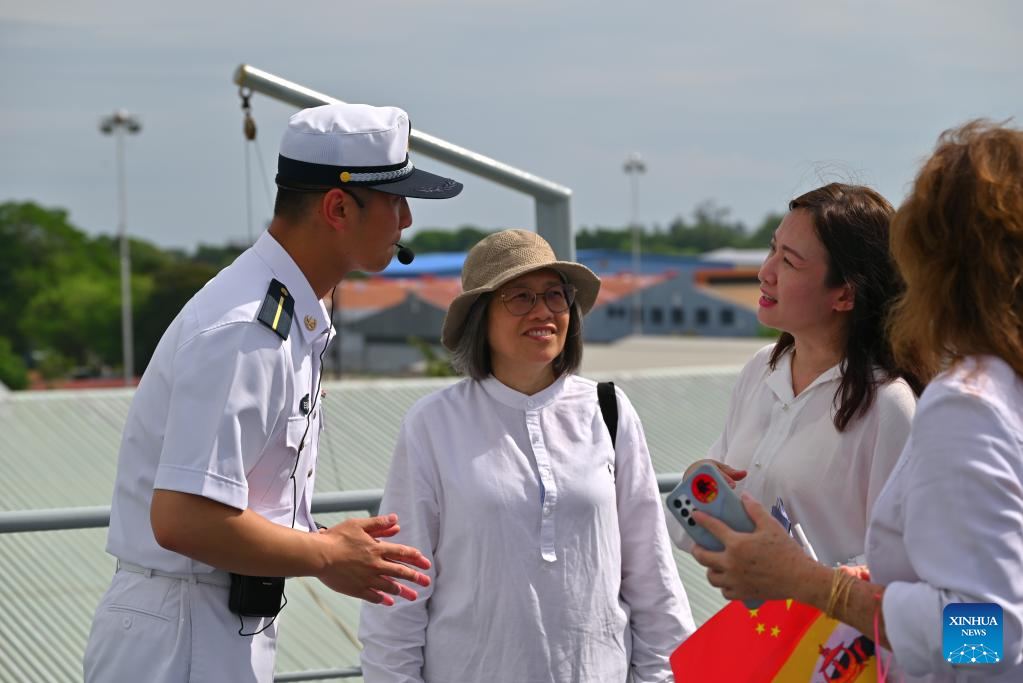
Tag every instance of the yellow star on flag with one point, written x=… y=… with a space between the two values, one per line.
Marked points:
x=753 y=613
x=788 y=604
x=760 y=628
x=775 y=631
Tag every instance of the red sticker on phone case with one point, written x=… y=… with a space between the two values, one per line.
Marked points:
x=705 y=488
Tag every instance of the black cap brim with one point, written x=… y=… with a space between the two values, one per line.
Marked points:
x=420 y=185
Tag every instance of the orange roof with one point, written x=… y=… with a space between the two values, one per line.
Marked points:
x=708 y=276
x=615 y=287
x=747 y=296
x=373 y=294
x=439 y=291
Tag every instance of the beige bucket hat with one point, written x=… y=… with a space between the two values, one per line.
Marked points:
x=501 y=257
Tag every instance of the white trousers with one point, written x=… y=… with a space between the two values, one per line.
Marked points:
x=168 y=630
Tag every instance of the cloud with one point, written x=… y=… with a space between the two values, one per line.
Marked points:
x=731 y=101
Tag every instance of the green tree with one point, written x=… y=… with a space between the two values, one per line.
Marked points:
x=434 y=240
x=761 y=237
x=615 y=239
x=13 y=373
x=217 y=257
x=40 y=247
x=53 y=366
x=710 y=228
x=79 y=317
x=174 y=285
x=436 y=366
x=145 y=257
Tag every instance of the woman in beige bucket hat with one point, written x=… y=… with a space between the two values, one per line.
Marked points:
x=551 y=560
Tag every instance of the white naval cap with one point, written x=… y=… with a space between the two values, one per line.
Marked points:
x=339 y=145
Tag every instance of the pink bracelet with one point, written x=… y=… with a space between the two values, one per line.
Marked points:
x=882 y=670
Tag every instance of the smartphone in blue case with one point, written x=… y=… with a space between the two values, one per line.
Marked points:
x=705 y=489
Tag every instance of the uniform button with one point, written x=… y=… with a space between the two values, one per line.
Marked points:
x=310 y=473
x=546 y=510
x=784 y=406
x=757 y=463
x=126 y=622
x=530 y=404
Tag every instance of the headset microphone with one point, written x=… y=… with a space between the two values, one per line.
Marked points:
x=405 y=255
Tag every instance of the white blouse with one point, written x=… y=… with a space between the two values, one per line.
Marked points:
x=948 y=527
x=550 y=557
x=791 y=449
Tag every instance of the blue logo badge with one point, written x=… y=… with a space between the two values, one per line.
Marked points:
x=972 y=633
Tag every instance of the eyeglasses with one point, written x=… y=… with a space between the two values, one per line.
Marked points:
x=522 y=300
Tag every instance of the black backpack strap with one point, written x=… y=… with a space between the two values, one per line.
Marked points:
x=608 y=407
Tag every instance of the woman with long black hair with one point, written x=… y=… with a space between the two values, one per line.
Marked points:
x=819 y=418
x=944 y=538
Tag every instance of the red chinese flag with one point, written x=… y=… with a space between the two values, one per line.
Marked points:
x=741 y=645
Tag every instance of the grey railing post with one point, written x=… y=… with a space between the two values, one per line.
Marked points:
x=551 y=217
x=17 y=521
x=553 y=201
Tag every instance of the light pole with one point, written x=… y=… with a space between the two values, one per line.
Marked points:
x=633 y=168
x=119 y=124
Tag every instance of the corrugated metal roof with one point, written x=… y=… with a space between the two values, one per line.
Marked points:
x=59 y=449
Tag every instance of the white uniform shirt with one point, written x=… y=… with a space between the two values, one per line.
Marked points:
x=791 y=450
x=550 y=558
x=217 y=413
x=948 y=527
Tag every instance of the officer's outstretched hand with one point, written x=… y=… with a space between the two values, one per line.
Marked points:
x=364 y=567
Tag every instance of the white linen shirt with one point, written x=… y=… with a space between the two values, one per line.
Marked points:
x=948 y=526
x=217 y=412
x=550 y=557
x=791 y=449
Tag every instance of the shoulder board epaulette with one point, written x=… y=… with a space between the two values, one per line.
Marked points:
x=277 y=310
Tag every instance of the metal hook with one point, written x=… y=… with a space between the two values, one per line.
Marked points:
x=249 y=127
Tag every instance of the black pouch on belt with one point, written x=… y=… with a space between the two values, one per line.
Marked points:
x=256 y=596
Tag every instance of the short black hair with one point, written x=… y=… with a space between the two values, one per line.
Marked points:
x=293 y=205
x=471 y=356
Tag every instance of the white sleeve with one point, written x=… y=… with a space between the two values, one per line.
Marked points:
x=963 y=515
x=660 y=616
x=393 y=637
x=896 y=405
x=228 y=391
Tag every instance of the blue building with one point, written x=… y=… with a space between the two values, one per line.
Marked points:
x=678 y=305
x=600 y=261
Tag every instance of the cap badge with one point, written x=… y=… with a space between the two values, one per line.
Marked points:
x=345 y=176
x=310 y=323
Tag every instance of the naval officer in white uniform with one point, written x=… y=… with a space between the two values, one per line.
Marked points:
x=217 y=462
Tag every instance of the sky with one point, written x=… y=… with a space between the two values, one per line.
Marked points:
x=746 y=104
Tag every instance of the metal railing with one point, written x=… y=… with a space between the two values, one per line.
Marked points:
x=18 y=521
x=553 y=202
x=60 y=519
